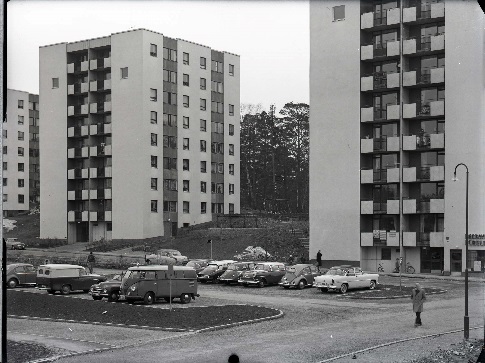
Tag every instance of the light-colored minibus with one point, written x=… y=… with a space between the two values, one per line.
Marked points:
x=152 y=282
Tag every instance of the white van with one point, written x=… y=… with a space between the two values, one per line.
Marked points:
x=65 y=278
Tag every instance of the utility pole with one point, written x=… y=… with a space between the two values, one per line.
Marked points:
x=272 y=111
x=401 y=154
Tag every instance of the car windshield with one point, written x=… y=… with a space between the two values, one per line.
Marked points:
x=176 y=253
x=193 y=264
x=291 y=269
x=235 y=267
x=335 y=272
x=262 y=268
x=116 y=277
x=210 y=268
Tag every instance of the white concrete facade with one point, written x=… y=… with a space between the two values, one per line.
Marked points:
x=354 y=142
x=116 y=185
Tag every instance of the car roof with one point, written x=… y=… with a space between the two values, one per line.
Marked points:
x=18 y=264
x=60 y=266
x=159 y=268
x=168 y=250
x=344 y=266
x=270 y=263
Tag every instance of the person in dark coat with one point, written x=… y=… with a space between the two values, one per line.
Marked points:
x=419 y=297
x=319 y=258
x=91 y=261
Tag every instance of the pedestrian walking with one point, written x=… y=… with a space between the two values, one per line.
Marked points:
x=91 y=261
x=319 y=259
x=291 y=260
x=419 y=297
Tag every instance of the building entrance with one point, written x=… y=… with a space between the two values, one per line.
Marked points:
x=82 y=232
x=455 y=261
x=432 y=260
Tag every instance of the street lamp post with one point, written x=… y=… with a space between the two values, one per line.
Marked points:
x=466 y=320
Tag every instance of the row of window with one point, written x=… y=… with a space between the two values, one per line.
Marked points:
x=20 y=166
x=20 y=198
x=171 y=206
x=32 y=105
x=172 y=185
x=20 y=135
x=20 y=182
x=171 y=164
x=171 y=142
x=32 y=121
x=20 y=151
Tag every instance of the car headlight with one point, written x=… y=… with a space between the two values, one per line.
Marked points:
x=133 y=288
x=293 y=282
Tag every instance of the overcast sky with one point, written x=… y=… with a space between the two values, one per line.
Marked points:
x=272 y=38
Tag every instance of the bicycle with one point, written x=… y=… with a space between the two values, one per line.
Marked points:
x=410 y=269
x=380 y=268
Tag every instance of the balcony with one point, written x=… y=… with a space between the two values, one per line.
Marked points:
x=433 y=108
x=101 y=150
x=70 y=68
x=367 y=114
x=413 y=206
x=100 y=64
x=84 y=130
x=429 y=11
x=392 y=206
x=107 y=106
x=367 y=176
x=386 y=207
x=100 y=129
x=379 y=81
x=77 y=110
x=366 y=207
x=100 y=172
x=78 y=152
x=423 y=46
x=392 y=175
x=74 y=216
x=84 y=66
x=419 y=78
x=74 y=131
x=436 y=239
x=107 y=216
x=379 y=238
x=373 y=51
x=380 y=20
x=423 y=142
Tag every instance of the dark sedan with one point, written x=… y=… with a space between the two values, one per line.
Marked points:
x=20 y=274
x=300 y=276
x=109 y=289
x=234 y=271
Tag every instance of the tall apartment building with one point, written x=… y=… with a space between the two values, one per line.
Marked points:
x=20 y=149
x=142 y=136
x=388 y=125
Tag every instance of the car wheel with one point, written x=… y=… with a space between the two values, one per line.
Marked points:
x=113 y=296
x=344 y=288
x=261 y=283
x=12 y=283
x=97 y=297
x=302 y=284
x=185 y=298
x=66 y=290
x=149 y=298
x=372 y=285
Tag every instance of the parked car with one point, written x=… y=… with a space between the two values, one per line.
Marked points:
x=213 y=270
x=300 y=276
x=20 y=274
x=13 y=243
x=234 y=271
x=343 y=278
x=265 y=273
x=166 y=256
x=109 y=289
x=149 y=283
x=66 y=278
x=198 y=265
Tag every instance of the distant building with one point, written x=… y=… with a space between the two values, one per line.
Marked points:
x=142 y=136
x=20 y=142
x=384 y=143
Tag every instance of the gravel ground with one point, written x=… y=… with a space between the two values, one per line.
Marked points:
x=180 y=318
x=21 y=352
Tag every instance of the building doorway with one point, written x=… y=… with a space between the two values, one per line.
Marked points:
x=455 y=261
x=432 y=259
x=82 y=232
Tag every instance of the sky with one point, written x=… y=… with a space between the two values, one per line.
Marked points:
x=271 y=37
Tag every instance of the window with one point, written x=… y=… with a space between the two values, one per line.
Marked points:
x=203 y=166
x=220 y=188
x=21 y=183
x=124 y=73
x=385 y=253
x=170 y=141
x=185 y=81
x=186 y=122
x=4 y=134
x=21 y=135
x=154 y=161
x=213 y=168
x=203 y=63
x=338 y=12
x=20 y=151
x=203 y=83
x=170 y=98
x=5 y=197
x=5 y=150
x=217 y=107
x=153 y=94
x=153 y=50
x=169 y=206
x=186 y=207
x=231 y=149
x=169 y=76
x=217 y=67
x=170 y=54
x=185 y=57
x=185 y=164
x=231 y=69
x=203 y=146
x=186 y=186
x=231 y=110
x=4 y=182
x=203 y=125
x=21 y=120
x=203 y=207
x=231 y=208
x=21 y=104
x=154 y=183
x=169 y=120
x=203 y=187
x=21 y=167
x=231 y=129
x=186 y=101
x=55 y=82
x=34 y=136
x=170 y=163
x=170 y=184
x=185 y=143
x=21 y=199
x=231 y=188
x=217 y=87
x=203 y=104
x=153 y=139
x=154 y=206
x=218 y=208
x=153 y=117
x=220 y=168
x=4 y=166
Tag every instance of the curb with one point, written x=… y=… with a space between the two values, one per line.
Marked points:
x=392 y=343
x=356 y=297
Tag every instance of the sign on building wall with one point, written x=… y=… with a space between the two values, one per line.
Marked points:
x=476 y=239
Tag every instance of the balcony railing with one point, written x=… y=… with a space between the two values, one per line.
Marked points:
x=422 y=239
x=423 y=173
x=380 y=175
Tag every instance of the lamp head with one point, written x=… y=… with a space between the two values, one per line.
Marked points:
x=454 y=177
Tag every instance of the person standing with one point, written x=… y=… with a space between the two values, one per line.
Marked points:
x=91 y=261
x=419 y=297
x=319 y=258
